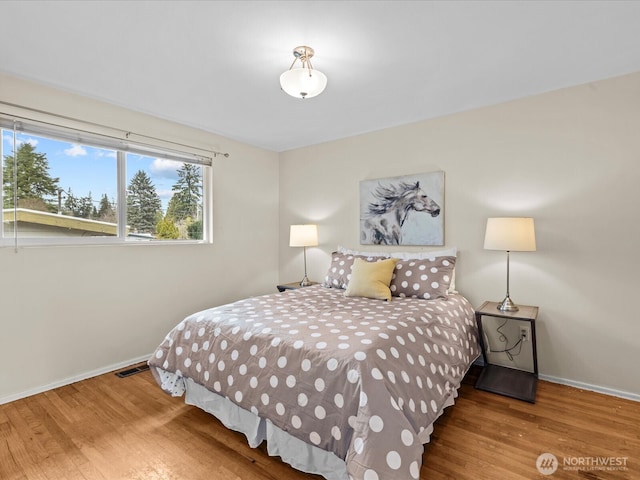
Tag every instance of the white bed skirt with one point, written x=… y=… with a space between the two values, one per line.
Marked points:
x=295 y=452
x=300 y=455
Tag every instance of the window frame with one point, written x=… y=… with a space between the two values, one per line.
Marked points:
x=156 y=148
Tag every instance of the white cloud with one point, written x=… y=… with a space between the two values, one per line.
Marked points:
x=9 y=138
x=31 y=141
x=75 y=150
x=165 y=168
x=165 y=194
x=106 y=153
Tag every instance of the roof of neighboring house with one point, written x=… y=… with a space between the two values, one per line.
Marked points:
x=59 y=220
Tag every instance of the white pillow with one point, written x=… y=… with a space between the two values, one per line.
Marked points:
x=445 y=252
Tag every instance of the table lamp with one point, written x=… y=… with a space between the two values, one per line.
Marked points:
x=304 y=236
x=511 y=235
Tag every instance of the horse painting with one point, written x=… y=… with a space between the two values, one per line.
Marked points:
x=388 y=209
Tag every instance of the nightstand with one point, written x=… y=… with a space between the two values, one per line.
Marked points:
x=292 y=286
x=503 y=380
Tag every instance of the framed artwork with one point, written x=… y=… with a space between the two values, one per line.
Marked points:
x=406 y=210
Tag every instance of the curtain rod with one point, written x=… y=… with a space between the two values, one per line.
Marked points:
x=124 y=133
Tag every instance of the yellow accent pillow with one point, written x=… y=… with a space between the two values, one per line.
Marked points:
x=371 y=279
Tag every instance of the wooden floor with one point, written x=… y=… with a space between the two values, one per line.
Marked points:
x=126 y=428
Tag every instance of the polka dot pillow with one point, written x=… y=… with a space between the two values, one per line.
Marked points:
x=339 y=272
x=427 y=278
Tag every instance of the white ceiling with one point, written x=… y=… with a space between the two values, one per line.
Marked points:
x=215 y=64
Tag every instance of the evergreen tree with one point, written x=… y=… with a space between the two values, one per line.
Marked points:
x=71 y=204
x=86 y=207
x=106 y=211
x=171 y=208
x=195 y=230
x=143 y=204
x=185 y=202
x=79 y=207
x=35 y=188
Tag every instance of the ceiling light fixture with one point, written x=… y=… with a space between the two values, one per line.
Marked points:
x=304 y=81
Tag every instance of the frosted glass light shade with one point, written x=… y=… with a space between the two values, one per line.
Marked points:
x=303 y=236
x=510 y=234
x=303 y=83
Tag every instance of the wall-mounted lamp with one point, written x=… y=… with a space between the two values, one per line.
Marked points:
x=304 y=236
x=511 y=235
x=304 y=81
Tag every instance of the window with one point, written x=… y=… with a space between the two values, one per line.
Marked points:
x=62 y=186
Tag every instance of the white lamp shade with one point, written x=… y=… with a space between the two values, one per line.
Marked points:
x=514 y=234
x=303 y=83
x=303 y=236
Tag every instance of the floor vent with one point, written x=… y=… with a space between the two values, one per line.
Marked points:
x=132 y=371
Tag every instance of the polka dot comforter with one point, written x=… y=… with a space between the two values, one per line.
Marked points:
x=364 y=379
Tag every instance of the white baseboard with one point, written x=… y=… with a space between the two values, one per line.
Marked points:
x=593 y=388
x=75 y=378
x=117 y=366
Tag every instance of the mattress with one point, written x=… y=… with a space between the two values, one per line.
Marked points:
x=356 y=382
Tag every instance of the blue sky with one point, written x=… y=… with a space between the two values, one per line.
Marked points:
x=87 y=169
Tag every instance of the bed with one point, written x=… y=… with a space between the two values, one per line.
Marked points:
x=338 y=384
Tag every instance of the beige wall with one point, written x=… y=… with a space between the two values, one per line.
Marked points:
x=570 y=159
x=69 y=311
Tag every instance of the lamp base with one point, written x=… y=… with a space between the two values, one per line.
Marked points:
x=507 y=305
x=305 y=282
